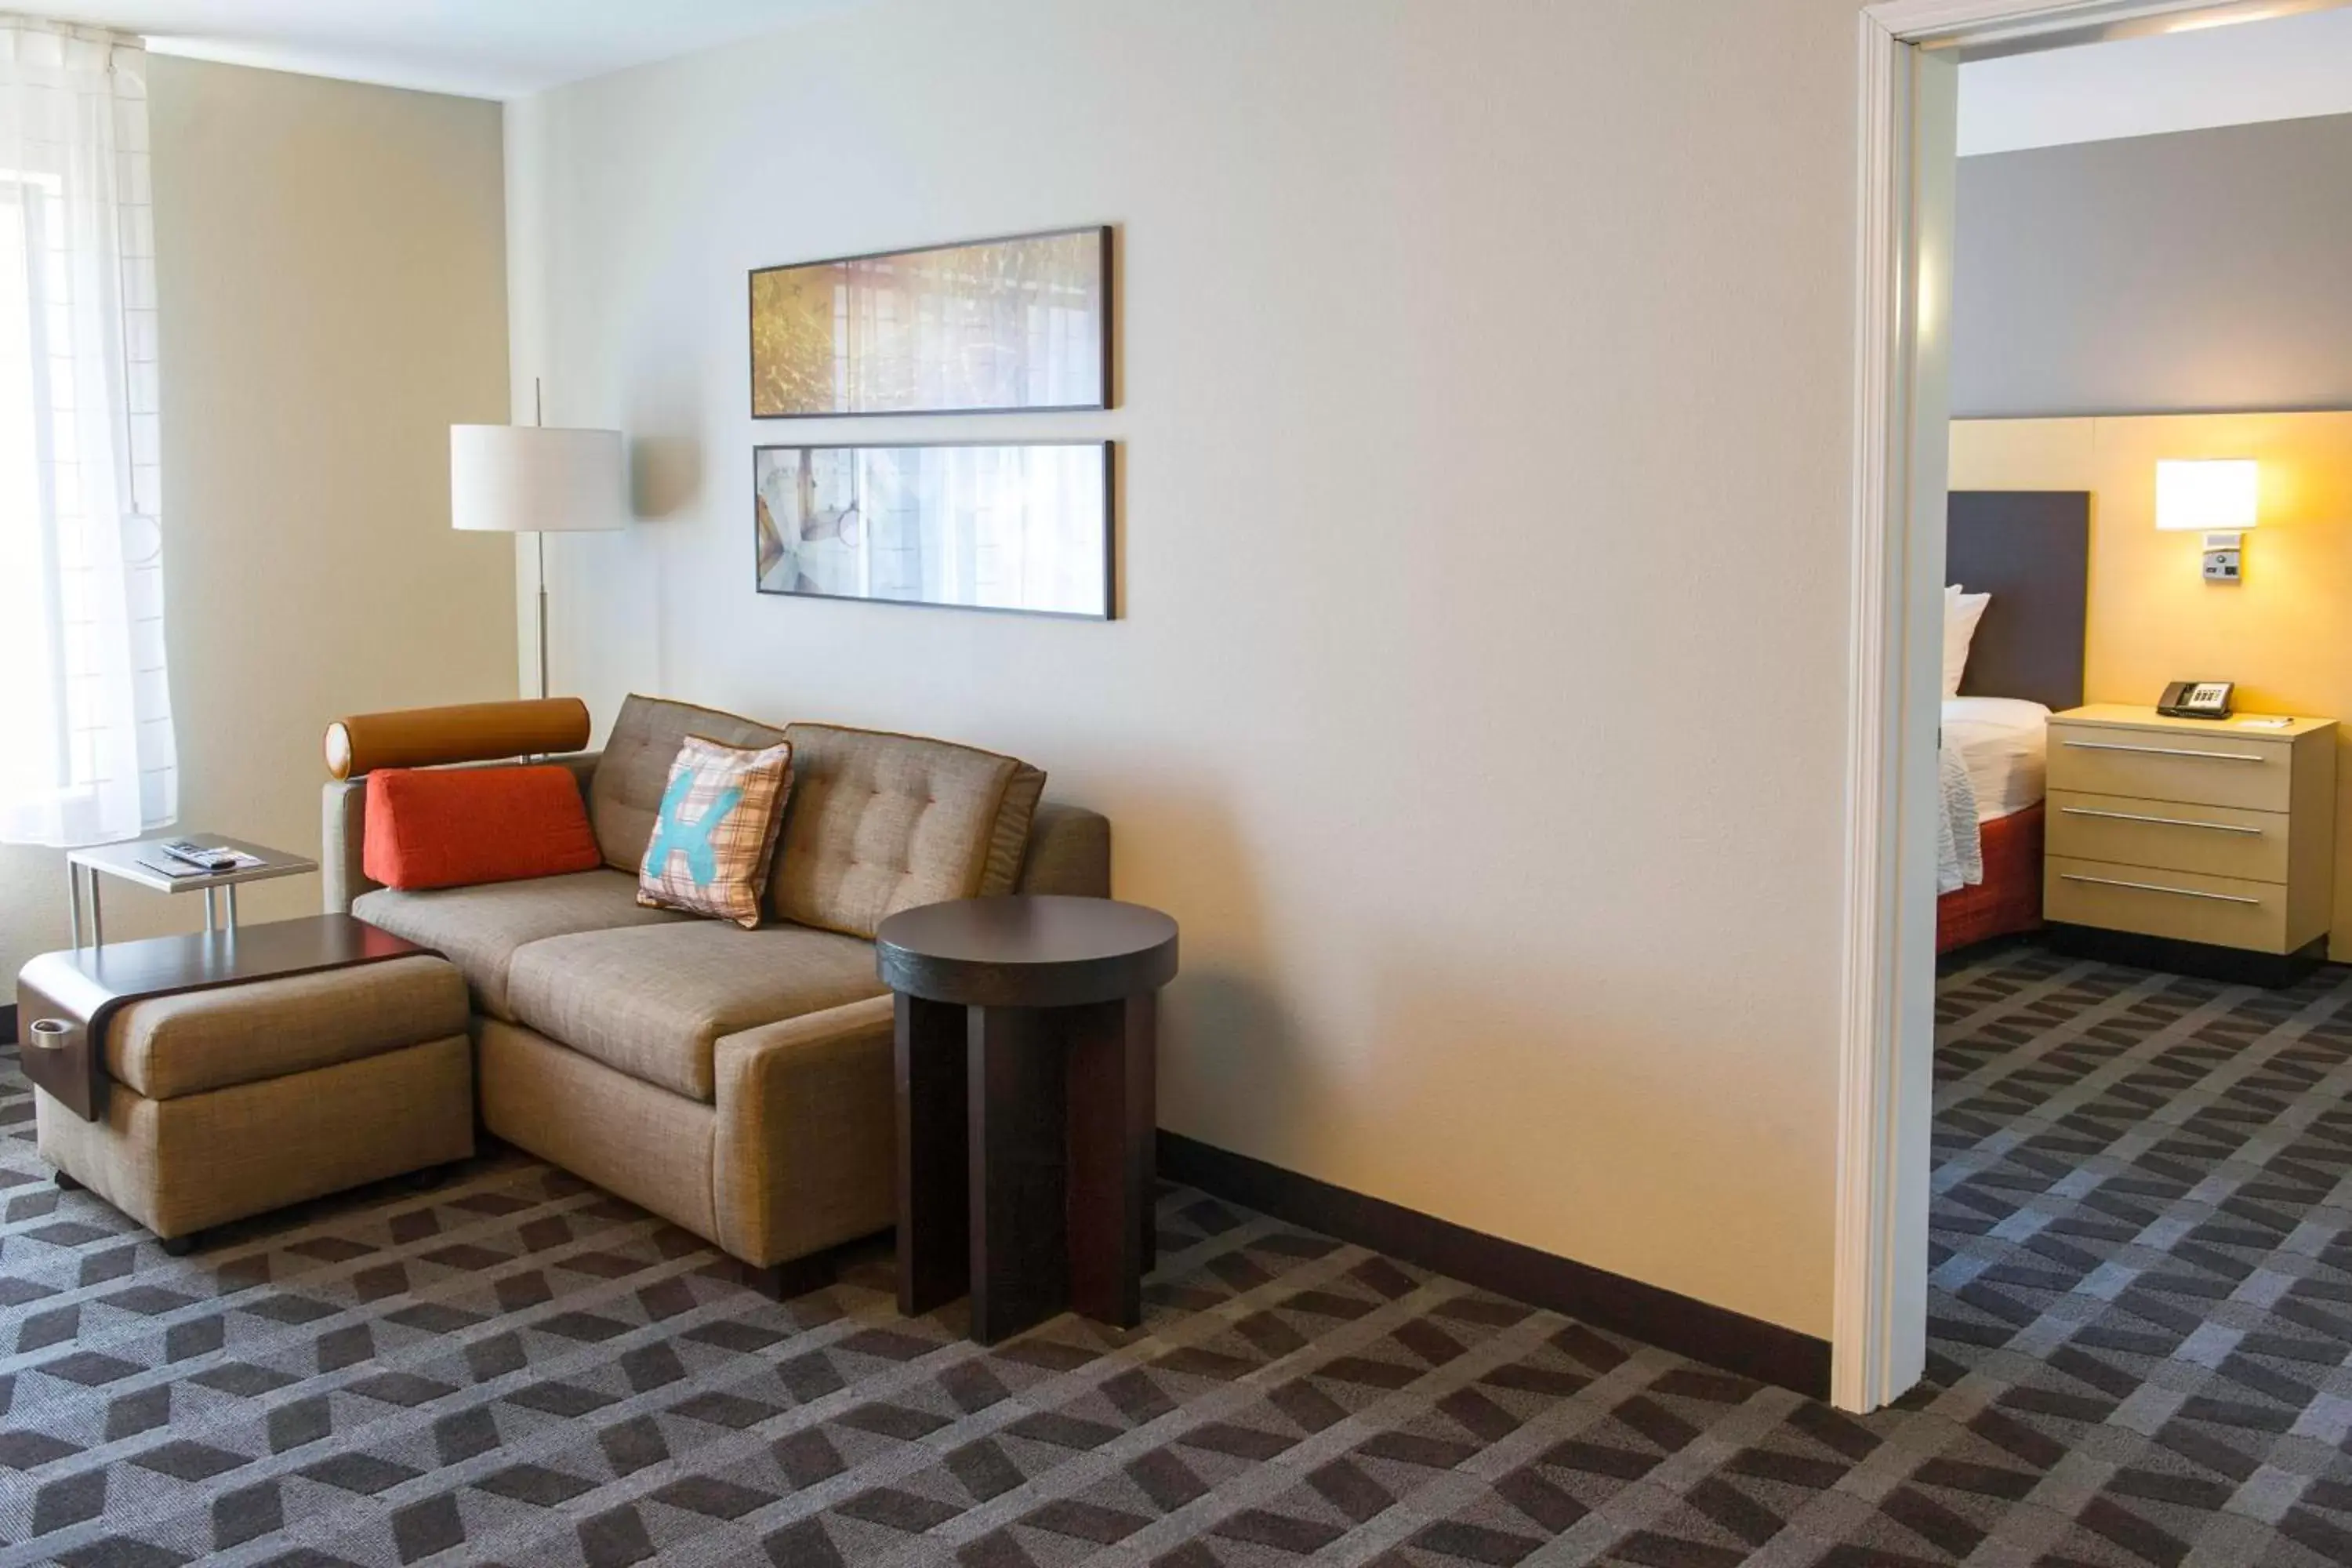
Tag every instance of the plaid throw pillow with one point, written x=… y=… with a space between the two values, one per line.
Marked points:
x=716 y=830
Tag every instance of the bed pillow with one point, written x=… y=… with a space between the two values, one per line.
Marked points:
x=1961 y=614
x=715 y=831
x=454 y=827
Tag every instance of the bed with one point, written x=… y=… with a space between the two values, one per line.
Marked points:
x=2031 y=551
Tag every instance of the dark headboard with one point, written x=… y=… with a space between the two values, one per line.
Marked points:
x=2030 y=550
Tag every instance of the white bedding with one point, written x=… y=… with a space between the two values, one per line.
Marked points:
x=1959 y=847
x=2004 y=743
x=1992 y=761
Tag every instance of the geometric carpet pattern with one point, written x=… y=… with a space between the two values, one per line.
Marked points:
x=2142 y=1314
x=2141 y=1264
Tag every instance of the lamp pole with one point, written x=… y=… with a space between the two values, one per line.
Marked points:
x=539 y=539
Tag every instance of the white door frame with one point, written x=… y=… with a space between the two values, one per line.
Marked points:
x=1887 y=1045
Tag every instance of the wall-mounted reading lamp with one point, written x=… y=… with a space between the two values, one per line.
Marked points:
x=2215 y=497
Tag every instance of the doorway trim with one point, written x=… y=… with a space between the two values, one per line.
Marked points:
x=1878 y=1334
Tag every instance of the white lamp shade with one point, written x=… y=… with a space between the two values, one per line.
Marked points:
x=523 y=478
x=2211 y=495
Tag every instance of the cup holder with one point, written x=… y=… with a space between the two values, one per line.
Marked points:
x=49 y=1035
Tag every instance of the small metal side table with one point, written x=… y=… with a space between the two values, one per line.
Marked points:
x=1025 y=1056
x=123 y=860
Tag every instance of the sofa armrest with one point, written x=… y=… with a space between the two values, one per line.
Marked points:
x=343 y=829
x=1069 y=852
x=343 y=834
x=806 y=1146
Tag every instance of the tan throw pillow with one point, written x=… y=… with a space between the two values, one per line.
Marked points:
x=715 y=831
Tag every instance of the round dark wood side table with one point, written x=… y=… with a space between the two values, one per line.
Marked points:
x=1024 y=1046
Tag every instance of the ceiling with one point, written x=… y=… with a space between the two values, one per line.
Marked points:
x=2287 y=68
x=2283 y=69
x=482 y=49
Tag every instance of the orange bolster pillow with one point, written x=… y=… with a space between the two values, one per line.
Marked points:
x=451 y=827
x=468 y=733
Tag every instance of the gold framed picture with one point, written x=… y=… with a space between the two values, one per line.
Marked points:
x=1018 y=325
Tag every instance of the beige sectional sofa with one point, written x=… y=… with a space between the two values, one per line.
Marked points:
x=738 y=1082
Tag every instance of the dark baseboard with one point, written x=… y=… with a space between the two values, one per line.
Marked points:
x=2229 y=965
x=1716 y=1335
x=1961 y=958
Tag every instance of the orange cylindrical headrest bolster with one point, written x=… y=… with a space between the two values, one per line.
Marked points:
x=466 y=732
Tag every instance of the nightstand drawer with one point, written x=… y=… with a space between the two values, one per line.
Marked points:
x=2226 y=910
x=2232 y=769
x=2183 y=836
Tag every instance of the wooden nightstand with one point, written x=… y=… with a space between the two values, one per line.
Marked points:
x=2201 y=845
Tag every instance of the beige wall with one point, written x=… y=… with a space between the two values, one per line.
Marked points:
x=2152 y=617
x=1484 y=446
x=330 y=271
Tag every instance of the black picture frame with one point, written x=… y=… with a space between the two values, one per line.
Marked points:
x=1109 y=449
x=1107 y=317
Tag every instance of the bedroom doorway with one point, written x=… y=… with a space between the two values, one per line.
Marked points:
x=1911 y=52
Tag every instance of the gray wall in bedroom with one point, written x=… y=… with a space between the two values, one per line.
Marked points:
x=2203 y=270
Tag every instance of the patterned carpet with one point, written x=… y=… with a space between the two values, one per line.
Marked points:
x=2143 y=1310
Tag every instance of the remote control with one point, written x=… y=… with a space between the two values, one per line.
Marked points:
x=195 y=854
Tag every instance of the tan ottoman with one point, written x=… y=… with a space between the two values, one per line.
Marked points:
x=229 y=1102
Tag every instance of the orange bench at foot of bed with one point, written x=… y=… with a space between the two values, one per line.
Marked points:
x=2008 y=899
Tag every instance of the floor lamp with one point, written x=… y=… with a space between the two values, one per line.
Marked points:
x=528 y=478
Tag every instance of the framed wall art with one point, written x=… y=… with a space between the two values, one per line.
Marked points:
x=1024 y=527
x=991 y=326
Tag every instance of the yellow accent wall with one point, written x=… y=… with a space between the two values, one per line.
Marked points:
x=2280 y=633
x=330 y=264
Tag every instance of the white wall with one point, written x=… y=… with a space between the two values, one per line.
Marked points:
x=1478 y=709
x=330 y=268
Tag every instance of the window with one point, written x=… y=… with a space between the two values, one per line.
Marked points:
x=85 y=702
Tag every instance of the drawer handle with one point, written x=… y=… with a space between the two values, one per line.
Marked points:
x=2170 y=752
x=2160 y=821
x=2158 y=888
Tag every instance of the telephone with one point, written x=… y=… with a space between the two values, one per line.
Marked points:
x=2196 y=700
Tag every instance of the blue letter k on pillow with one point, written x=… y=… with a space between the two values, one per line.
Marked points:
x=716 y=834
x=692 y=839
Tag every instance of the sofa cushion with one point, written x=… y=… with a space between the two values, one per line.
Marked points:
x=880 y=823
x=478 y=929
x=169 y=1047
x=625 y=795
x=650 y=1003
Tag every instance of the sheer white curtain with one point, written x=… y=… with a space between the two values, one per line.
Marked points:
x=85 y=744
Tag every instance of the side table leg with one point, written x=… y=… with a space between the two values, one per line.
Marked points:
x=73 y=898
x=229 y=895
x=934 y=1239
x=1112 y=1126
x=97 y=918
x=1020 y=1260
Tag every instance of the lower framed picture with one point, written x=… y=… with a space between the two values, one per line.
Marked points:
x=1024 y=528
